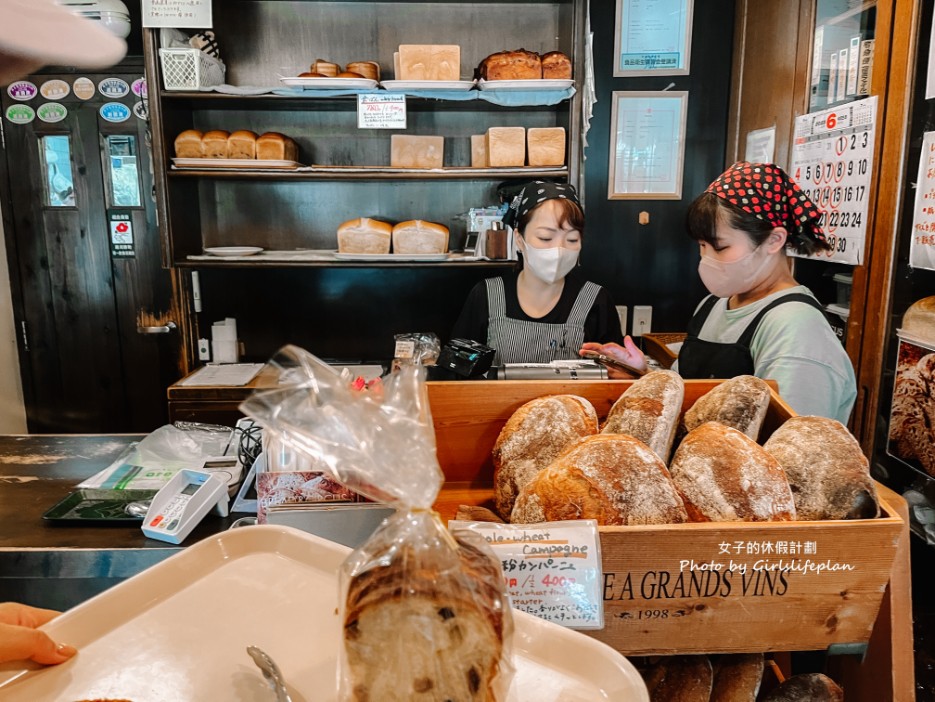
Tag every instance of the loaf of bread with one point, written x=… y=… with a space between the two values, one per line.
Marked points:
x=242 y=144
x=808 y=687
x=826 y=468
x=919 y=319
x=479 y=151
x=506 y=147
x=215 y=143
x=312 y=74
x=911 y=433
x=737 y=677
x=364 y=236
x=725 y=476
x=680 y=679
x=429 y=62
x=415 y=236
x=545 y=146
x=368 y=69
x=412 y=151
x=511 y=65
x=349 y=74
x=189 y=144
x=649 y=411
x=613 y=478
x=556 y=66
x=326 y=68
x=740 y=402
x=425 y=633
x=533 y=436
x=273 y=146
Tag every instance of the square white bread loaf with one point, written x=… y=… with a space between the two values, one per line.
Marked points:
x=479 y=151
x=408 y=151
x=429 y=62
x=506 y=147
x=545 y=146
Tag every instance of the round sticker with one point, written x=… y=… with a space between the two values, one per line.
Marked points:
x=22 y=90
x=113 y=87
x=115 y=112
x=55 y=89
x=139 y=88
x=84 y=88
x=139 y=109
x=20 y=114
x=52 y=112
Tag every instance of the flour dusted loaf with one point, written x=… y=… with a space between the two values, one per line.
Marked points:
x=532 y=438
x=737 y=677
x=826 y=468
x=416 y=236
x=423 y=633
x=680 y=679
x=740 y=402
x=612 y=478
x=364 y=236
x=912 y=420
x=725 y=476
x=649 y=411
x=810 y=687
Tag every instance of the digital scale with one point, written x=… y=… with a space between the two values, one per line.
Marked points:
x=183 y=502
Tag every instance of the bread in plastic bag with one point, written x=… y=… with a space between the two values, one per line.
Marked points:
x=425 y=612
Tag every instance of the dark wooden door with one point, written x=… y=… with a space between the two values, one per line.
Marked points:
x=93 y=305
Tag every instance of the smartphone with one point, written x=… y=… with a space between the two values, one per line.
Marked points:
x=610 y=362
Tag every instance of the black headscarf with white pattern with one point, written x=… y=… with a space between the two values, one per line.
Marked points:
x=533 y=195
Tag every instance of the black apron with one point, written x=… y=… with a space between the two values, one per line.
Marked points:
x=709 y=359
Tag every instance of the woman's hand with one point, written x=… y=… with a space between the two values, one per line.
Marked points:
x=21 y=640
x=628 y=353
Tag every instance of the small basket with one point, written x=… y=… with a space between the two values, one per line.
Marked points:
x=190 y=69
x=656 y=346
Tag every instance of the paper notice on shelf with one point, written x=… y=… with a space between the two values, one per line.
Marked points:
x=231 y=374
x=922 y=245
x=177 y=13
x=761 y=145
x=552 y=570
x=386 y=111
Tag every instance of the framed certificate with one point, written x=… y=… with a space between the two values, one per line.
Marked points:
x=652 y=37
x=647 y=137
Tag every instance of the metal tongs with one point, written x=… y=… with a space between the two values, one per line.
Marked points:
x=271 y=672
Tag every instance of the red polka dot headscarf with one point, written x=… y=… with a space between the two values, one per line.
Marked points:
x=768 y=193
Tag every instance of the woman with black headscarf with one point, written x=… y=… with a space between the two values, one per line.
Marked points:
x=758 y=320
x=547 y=310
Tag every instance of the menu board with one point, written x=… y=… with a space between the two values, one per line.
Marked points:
x=832 y=161
x=922 y=245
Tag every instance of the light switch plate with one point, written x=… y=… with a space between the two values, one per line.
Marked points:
x=642 y=319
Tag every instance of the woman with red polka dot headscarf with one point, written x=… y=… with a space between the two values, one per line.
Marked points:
x=758 y=320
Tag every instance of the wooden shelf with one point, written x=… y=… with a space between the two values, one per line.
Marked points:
x=330 y=173
x=325 y=259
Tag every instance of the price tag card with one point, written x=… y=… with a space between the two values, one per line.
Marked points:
x=832 y=161
x=381 y=111
x=552 y=570
x=922 y=245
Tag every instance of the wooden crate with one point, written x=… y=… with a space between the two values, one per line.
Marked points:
x=654 y=601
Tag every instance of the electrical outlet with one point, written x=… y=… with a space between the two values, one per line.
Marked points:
x=204 y=350
x=642 y=319
x=622 y=314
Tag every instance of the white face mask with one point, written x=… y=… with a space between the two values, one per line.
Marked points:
x=725 y=279
x=549 y=265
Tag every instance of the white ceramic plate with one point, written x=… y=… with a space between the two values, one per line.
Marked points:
x=390 y=257
x=427 y=84
x=533 y=84
x=233 y=250
x=330 y=83
x=179 y=631
x=236 y=163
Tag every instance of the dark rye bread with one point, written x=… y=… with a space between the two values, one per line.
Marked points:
x=826 y=468
x=740 y=402
x=425 y=634
x=737 y=677
x=612 y=478
x=724 y=476
x=649 y=411
x=680 y=679
x=532 y=438
x=810 y=687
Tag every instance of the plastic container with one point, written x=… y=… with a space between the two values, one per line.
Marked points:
x=190 y=69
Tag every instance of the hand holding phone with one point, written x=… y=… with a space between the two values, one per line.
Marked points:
x=611 y=362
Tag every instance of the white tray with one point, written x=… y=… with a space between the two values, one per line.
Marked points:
x=531 y=84
x=330 y=83
x=233 y=250
x=179 y=631
x=237 y=163
x=391 y=257
x=428 y=84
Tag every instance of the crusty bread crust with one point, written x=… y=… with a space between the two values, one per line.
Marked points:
x=511 y=65
x=556 y=66
x=828 y=471
x=649 y=411
x=725 y=476
x=364 y=235
x=809 y=687
x=740 y=402
x=737 y=677
x=680 y=679
x=532 y=438
x=612 y=478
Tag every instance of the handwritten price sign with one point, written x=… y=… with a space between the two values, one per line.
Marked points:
x=381 y=111
x=922 y=246
x=832 y=159
x=551 y=570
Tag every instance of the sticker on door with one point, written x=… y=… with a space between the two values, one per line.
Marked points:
x=115 y=112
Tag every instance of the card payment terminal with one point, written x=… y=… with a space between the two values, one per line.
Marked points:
x=183 y=502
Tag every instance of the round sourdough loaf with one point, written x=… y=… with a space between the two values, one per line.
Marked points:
x=680 y=679
x=725 y=476
x=649 y=411
x=826 y=468
x=737 y=677
x=424 y=633
x=532 y=438
x=612 y=478
x=810 y=687
x=740 y=402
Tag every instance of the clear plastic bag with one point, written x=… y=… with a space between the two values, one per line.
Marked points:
x=424 y=612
